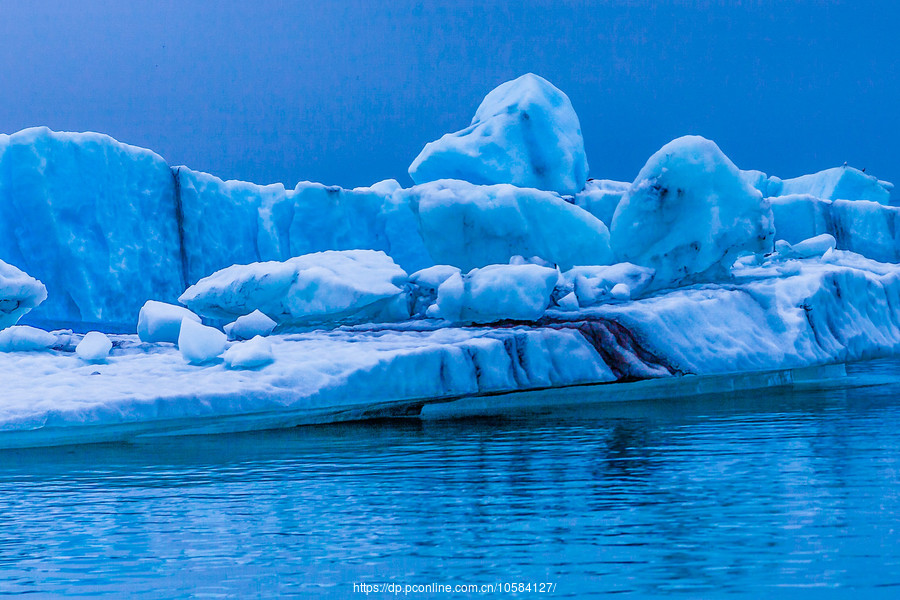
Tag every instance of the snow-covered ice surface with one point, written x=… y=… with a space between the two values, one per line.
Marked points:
x=776 y=313
x=525 y=132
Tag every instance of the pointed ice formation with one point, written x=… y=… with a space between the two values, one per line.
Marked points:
x=525 y=132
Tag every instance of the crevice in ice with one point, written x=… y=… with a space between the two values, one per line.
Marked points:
x=179 y=220
x=620 y=349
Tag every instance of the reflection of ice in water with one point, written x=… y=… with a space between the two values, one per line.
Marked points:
x=747 y=492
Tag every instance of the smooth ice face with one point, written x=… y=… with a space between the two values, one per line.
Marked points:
x=839 y=183
x=92 y=218
x=254 y=353
x=525 y=132
x=250 y=326
x=319 y=288
x=690 y=214
x=496 y=293
x=470 y=226
x=198 y=343
x=94 y=347
x=22 y=338
x=19 y=293
x=860 y=226
x=161 y=322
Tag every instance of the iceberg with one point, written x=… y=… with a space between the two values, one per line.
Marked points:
x=335 y=286
x=779 y=314
x=524 y=133
x=600 y=197
x=19 y=293
x=470 y=226
x=689 y=215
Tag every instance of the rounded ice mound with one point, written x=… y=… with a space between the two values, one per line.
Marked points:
x=470 y=226
x=335 y=286
x=690 y=214
x=496 y=293
x=161 y=322
x=525 y=132
x=19 y=293
x=198 y=343
x=93 y=347
x=251 y=354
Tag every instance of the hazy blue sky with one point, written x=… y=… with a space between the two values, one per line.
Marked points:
x=348 y=92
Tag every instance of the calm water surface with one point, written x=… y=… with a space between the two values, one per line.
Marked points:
x=765 y=494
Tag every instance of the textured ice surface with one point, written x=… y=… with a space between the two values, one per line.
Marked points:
x=690 y=214
x=471 y=226
x=525 y=132
x=839 y=183
x=94 y=347
x=497 y=292
x=200 y=343
x=95 y=220
x=19 y=293
x=250 y=326
x=161 y=322
x=319 y=288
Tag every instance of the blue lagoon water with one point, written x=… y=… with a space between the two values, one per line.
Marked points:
x=778 y=493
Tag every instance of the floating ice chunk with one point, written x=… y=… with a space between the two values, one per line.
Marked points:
x=251 y=354
x=93 y=347
x=839 y=183
x=320 y=288
x=161 y=322
x=594 y=284
x=470 y=226
x=22 y=338
x=497 y=292
x=199 y=343
x=690 y=215
x=250 y=326
x=525 y=133
x=19 y=293
x=92 y=218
